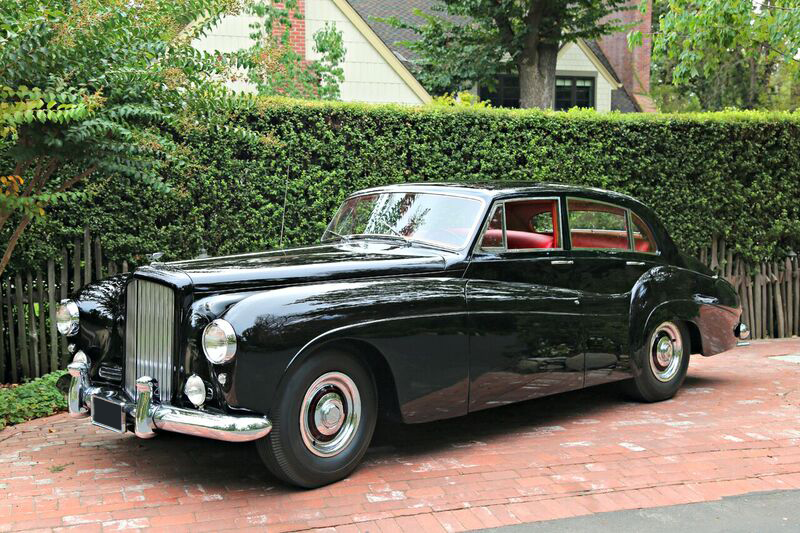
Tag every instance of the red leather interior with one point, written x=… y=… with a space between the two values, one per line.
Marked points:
x=594 y=240
x=615 y=242
x=518 y=239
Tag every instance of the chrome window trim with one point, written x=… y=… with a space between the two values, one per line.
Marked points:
x=504 y=249
x=419 y=190
x=631 y=214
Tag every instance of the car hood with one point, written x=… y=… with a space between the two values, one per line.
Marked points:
x=299 y=265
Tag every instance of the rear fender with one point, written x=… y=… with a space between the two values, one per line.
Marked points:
x=669 y=293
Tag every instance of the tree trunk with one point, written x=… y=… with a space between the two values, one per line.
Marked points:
x=537 y=77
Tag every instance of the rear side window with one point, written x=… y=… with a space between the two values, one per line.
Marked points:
x=525 y=224
x=597 y=226
x=643 y=240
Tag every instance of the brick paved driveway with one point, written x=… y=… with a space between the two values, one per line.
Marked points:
x=734 y=428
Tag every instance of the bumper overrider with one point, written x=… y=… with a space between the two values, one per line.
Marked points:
x=149 y=415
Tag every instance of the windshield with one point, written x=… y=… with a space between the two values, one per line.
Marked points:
x=437 y=219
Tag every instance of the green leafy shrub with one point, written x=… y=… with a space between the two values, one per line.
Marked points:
x=734 y=174
x=30 y=400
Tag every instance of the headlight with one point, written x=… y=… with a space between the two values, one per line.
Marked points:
x=67 y=316
x=195 y=390
x=219 y=342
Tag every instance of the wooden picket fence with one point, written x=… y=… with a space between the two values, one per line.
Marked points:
x=769 y=292
x=30 y=345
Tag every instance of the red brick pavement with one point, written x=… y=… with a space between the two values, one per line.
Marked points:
x=734 y=428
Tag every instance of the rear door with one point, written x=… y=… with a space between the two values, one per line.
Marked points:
x=524 y=317
x=611 y=250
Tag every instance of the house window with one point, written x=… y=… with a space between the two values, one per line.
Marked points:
x=506 y=93
x=574 y=92
x=570 y=92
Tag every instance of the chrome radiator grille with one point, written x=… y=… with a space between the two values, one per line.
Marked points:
x=149 y=336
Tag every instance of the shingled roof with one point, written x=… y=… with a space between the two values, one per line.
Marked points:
x=370 y=10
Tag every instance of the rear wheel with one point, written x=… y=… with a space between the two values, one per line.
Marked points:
x=323 y=421
x=665 y=359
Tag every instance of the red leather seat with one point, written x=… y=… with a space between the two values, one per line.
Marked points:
x=583 y=240
x=518 y=240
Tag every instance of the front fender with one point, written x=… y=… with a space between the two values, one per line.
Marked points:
x=664 y=293
x=418 y=325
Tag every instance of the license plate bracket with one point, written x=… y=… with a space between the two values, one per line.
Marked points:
x=108 y=414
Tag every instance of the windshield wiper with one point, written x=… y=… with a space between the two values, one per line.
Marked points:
x=339 y=235
x=381 y=236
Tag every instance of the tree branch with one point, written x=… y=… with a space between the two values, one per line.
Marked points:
x=504 y=26
x=71 y=182
x=12 y=243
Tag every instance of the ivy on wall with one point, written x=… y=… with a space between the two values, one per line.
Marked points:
x=734 y=174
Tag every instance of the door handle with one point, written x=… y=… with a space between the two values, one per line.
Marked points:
x=562 y=262
x=634 y=263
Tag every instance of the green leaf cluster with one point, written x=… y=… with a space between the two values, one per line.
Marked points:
x=30 y=400
x=733 y=174
x=725 y=53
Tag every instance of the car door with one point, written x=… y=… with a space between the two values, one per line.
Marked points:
x=610 y=250
x=524 y=318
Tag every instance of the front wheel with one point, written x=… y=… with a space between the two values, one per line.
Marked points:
x=323 y=421
x=665 y=360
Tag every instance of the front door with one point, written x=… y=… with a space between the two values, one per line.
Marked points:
x=525 y=319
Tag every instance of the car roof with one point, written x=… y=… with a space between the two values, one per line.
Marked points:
x=491 y=190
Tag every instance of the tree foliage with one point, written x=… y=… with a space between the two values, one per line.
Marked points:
x=98 y=89
x=473 y=41
x=276 y=68
x=726 y=53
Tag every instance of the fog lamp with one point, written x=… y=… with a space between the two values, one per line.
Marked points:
x=67 y=318
x=219 y=341
x=195 y=390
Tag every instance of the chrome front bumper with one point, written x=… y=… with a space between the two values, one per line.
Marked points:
x=149 y=415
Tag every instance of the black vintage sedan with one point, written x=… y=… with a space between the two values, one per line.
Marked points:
x=421 y=302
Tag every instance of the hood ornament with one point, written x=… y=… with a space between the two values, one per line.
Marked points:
x=154 y=257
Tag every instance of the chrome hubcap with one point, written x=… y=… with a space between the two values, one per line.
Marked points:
x=330 y=414
x=666 y=352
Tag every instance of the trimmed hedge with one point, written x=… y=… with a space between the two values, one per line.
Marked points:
x=736 y=174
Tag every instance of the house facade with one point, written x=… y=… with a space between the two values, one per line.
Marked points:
x=603 y=74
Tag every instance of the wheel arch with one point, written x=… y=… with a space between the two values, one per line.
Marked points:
x=370 y=356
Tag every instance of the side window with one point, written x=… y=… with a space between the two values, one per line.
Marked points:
x=526 y=224
x=493 y=237
x=530 y=223
x=595 y=225
x=643 y=239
